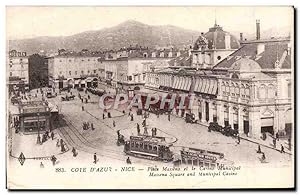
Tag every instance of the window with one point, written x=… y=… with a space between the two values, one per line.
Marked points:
x=60 y=72
x=88 y=71
x=88 y=59
x=82 y=72
x=95 y=71
x=262 y=92
x=10 y=74
x=70 y=73
x=70 y=60
x=219 y=57
x=129 y=78
x=82 y=60
x=75 y=72
x=10 y=65
x=271 y=92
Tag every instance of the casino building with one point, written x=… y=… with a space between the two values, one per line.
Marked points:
x=248 y=87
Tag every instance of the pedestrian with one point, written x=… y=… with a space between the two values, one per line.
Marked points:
x=95 y=158
x=63 y=148
x=123 y=111
x=89 y=97
x=58 y=143
x=74 y=152
x=41 y=165
x=53 y=159
x=103 y=116
x=47 y=134
x=152 y=132
x=108 y=115
x=259 y=150
x=145 y=131
x=131 y=117
x=238 y=139
x=282 y=149
x=38 y=140
x=52 y=135
x=81 y=100
x=263 y=157
x=277 y=136
x=92 y=126
x=138 y=129
x=128 y=161
x=169 y=117
x=114 y=124
x=82 y=108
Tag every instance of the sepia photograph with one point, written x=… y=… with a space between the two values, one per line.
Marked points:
x=150 y=97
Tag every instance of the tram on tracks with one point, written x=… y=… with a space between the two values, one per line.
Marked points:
x=156 y=148
x=153 y=148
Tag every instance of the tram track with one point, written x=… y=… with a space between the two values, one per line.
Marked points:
x=86 y=146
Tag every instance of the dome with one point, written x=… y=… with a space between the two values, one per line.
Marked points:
x=245 y=65
x=215 y=39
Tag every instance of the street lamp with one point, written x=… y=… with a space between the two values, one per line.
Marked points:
x=39 y=137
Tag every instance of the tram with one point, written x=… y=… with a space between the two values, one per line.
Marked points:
x=153 y=148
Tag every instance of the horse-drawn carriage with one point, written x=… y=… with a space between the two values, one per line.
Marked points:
x=213 y=126
x=67 y=98
x=190 y=118
x=227 y=130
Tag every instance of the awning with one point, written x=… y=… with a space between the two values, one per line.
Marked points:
x=206 y=85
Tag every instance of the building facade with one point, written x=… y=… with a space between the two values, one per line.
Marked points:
x=211 y=47
x=250 y=89
x=18 y=77
x=124 y=69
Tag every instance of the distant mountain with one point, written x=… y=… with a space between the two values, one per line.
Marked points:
x=123 y=35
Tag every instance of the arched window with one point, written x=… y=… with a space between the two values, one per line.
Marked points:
x=262 y=92
x=242 y=90
x=271 y=91
x=234 y=76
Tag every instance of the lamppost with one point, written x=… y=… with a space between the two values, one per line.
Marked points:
x=38 y=141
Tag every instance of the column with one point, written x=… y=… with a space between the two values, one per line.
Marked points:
x=254 y=122
x=203 y=119
x=241 y=120
x=220 y=113
x=230 y=117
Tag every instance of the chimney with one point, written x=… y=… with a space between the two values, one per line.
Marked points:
x=260 y=48
x=257 y=29
x=241 y=36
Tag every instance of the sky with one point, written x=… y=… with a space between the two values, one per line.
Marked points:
x=28 y=22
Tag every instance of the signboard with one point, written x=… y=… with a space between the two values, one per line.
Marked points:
x=188 y=154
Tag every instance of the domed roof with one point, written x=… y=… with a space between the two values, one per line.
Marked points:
x=245 y=65
x=215 y=39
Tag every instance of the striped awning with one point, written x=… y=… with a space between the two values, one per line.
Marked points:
x=182 y=83
x=206 y=85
